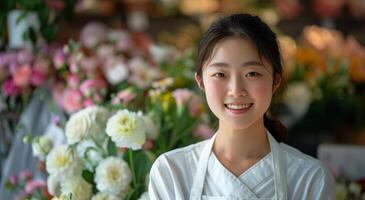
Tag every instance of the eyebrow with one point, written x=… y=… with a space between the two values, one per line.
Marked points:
x=248 y=63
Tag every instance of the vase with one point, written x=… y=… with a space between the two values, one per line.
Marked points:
x=18 y=23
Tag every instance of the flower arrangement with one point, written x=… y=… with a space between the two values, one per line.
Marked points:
x=109 y=150
x=102 y=64
x=103 y=156
x=326 y=76
x=21 y=72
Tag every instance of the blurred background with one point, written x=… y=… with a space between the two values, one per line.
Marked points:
x=58 y=57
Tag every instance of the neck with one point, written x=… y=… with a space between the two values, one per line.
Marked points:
x=238 y=145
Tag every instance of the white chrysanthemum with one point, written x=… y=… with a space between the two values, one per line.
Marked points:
x=90 y=154
x=151 y=129
x=78 y=187
x=113 y=176
x=144 y=196
x=62 y=197
x=126 y=129
x=85 y=123
x=54 y=184
x=41 y=146
x=105 y=196
x=298 y=97
x=62 y=160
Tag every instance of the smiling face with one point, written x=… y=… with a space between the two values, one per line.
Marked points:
x=238 y=84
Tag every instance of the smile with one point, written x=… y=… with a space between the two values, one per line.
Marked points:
x=238 y=106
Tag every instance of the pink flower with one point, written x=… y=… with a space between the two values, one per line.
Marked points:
x=124 y=96
x=87 y=87
x=38 y=77
x=73 y=64
x=42 y=64
x=195 y=106
x=105 y=51
x=26 y=174
x=55 y=120
x=25 y=56
x=187 y=97
x=97 y=97
x=10 y=89
x=142 y=72
x=23 y=195
x=88 y=102
x=57 y=93
x=203 y=131
x=13 y=67
x=89 y=65
x=182 y=96
x=59 y=58
x=56 y=5
x=32 y=185
x=92 y=34
x=72 y=100
x=3 y=60
x=122 y=39
x=6 y=58
x=73 y=81
x=13 y=180
x=22 y=76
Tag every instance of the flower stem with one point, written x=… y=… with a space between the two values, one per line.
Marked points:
x=132 y=168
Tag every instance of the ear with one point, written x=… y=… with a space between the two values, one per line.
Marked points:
x=277 y=82
x=199 y=81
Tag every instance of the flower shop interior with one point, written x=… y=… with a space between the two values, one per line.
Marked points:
x=70 y=71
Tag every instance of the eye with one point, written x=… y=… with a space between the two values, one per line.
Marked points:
x=219 y=75
x=252 y=74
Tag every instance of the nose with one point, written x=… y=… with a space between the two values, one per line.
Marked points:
x=237 y=87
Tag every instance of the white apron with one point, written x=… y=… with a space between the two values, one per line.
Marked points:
x=279 y=164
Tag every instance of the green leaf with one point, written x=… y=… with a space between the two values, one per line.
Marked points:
x=49 y=32
x=142 y=165
x=112 y=149
x=22 y=16
x=88 y=176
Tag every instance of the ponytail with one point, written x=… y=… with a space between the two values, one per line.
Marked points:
x=276 y=128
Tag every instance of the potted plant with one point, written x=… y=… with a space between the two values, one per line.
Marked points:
x=36 y=20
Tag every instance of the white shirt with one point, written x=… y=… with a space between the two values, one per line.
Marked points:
x=173 y=173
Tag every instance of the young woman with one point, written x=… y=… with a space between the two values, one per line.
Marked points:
x=239 y=71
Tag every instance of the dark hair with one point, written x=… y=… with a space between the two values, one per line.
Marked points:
x=252 y=28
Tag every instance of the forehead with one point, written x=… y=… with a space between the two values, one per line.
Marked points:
x=234 y=46
x=235 y=50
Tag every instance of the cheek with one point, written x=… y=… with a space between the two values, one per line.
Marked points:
x=214 y=93
x=212 y=88
x=262 y=92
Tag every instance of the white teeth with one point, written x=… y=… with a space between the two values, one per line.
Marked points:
x=238 y=106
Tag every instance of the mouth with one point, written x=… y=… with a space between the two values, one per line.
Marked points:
x=238 y=108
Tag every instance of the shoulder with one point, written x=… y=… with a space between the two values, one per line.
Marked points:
x=181 y=156
x=307 y=175
x=296 y=158
x=172 y=173
x=298 y=162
